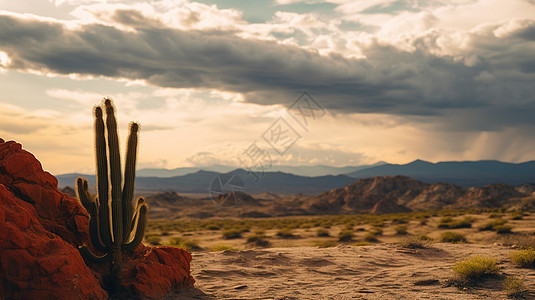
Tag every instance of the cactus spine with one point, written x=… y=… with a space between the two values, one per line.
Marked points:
x=124 y=228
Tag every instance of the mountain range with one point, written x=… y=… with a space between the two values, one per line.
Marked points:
x=309 y=171
x=464 y=173
x=202 y=182
x=307 y=181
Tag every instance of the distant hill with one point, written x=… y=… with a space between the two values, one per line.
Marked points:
x=465 y=173
x=310 y=171
x=200 y=181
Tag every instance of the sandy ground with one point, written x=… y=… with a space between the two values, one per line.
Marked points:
x=383 y=271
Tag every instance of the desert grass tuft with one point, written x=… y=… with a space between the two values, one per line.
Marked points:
x=371 y=238
x=514 y=288
x=285 y=233
x=415 y=242
x=452 y=237
x=221 y=247
x=492 y=224
x=345 y=235
x=320 y=232
x=189 y=245
x=326 y=244
x=232 y=233
x=523 y=258
x=259 y=240
x=471 y=271
x=401 y=230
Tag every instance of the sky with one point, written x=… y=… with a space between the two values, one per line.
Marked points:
x=281 y=82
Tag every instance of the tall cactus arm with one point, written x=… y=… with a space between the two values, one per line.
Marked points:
x=141 y=220
x=129 y=180
x=101 y=157
x=115 y=173
x=102 y=179
x=89 y=256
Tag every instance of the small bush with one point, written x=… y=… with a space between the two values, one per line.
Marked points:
x=517 y=216
x=524 y=258
x=399 y=220
x=285 y=233
x=322 y=232
x=345 y=235
x=377 y=223
x=212 y=226
x=258 y=240
x=492 y=224
x=452 y=237
x=221 y=248
x=414 y=242
x=189 y=245
x=472 y=270
x=232 y=234
x=371 y=238
x=325 y=244
x=376 y=231
x=401 y=229
x=514 y=287
x=444 y=222
x=449 y=223
x=502 y=229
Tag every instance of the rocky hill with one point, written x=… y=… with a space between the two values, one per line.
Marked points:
x=387 y=194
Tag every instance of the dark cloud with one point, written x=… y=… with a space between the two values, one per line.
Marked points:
x=497 y=89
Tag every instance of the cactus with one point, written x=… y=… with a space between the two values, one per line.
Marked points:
x=124 y=228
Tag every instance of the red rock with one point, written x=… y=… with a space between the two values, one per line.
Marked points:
x=40 y=230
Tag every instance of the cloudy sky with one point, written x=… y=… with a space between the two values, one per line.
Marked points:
x=220 y=81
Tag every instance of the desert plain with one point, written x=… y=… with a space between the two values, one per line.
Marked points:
x=389 y=256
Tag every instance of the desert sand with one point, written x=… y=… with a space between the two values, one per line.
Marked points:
x=381 y=271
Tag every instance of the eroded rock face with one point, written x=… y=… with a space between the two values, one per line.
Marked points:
x=40 y=230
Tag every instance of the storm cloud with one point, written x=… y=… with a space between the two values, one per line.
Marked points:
x=486 y=86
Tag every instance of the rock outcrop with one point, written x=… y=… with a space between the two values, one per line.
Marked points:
x=40 y=230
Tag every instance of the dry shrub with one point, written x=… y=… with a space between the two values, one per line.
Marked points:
x=258 y=240
x=221 y=247
x=475 y=269
x=523 y=258
x=326 y=244
x=345 y=235
x=414 y=242
x=322 y=232
x=371 y=237
x=514 y=287
x=452 y=237
x=401 y=230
